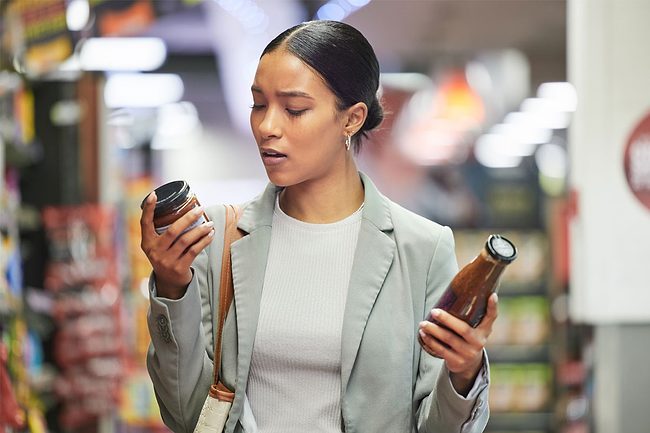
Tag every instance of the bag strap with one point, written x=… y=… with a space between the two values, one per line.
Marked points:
x=226 y=290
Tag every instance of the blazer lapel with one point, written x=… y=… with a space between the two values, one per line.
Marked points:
x=249 y=257
x=373 y=257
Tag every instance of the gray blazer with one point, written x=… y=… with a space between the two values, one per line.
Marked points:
x=402 y=264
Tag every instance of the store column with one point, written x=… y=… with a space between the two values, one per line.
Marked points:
x=609 y=60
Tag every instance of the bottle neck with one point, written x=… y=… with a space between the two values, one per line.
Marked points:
x=488 y=258
x=493 y=267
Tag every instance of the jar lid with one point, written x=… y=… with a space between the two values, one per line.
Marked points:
x=501 y=248
x=170 y=197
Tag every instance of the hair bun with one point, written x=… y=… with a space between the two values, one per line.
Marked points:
x=375 y=115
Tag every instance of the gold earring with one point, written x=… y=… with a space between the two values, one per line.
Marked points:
x=348 y=141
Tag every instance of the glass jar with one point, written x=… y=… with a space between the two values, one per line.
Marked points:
x=173 y=200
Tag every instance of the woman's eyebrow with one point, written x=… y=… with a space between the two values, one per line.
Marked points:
x=285 y=93
x=294 y=93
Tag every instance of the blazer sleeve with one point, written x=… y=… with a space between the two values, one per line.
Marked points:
x=179 y=360
x=442 y=409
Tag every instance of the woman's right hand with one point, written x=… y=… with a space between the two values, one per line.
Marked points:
x=170 y=253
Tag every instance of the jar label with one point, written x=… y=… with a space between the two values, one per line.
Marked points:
x=202 y=219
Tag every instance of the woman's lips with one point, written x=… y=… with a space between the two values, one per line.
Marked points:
x=272 y=157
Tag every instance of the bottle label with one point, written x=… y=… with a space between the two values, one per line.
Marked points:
x=201 y=220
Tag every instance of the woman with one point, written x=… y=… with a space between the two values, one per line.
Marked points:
x=332 y=280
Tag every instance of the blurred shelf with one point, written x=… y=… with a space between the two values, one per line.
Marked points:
x=519 y=353
x=21 y=155
x=519 y=289
x=520 y=421
x=9 y=305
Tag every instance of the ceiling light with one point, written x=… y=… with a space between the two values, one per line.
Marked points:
x=523 y=141
x=122 y=54
x=406 y=81
x=142 y=90
x=562 y=94
x=331 y=11
x=489 y=151
x=339 y=9
x=546 y=113
x=77 y=14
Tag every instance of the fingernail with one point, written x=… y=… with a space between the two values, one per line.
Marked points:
x=198 y=210
x=151 y=197
x=209 y=224
x=435 y=312
x=211 y=233
x=421 y=332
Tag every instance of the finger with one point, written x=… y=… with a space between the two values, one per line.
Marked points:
x=464 y=348
x=453 y=323
x=491 y=314
x=190 y=237
x=146 y=219
x=178 y=259
x=445 y=336
x=466 y=332
x=436 y=348
x=190 y=253
x=175 y=230
x=493 y=307
x=425 y=342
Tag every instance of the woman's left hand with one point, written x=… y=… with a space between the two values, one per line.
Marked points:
x=461 y=349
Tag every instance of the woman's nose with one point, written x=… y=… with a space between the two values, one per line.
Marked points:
x=269 y=125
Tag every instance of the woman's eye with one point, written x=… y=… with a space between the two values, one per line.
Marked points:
x=296 y=113
x=257 y=106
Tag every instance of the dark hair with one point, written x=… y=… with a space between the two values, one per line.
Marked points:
x=344 y=59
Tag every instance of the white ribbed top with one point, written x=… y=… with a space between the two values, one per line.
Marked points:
x=295 y=376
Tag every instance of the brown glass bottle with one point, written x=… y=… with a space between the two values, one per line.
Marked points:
x=467 y=294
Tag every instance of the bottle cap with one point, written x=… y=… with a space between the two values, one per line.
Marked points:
x=501 y=248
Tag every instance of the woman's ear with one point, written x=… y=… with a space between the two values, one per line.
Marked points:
x=356 y=115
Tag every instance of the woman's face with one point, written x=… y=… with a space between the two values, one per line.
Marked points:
x=295 y=121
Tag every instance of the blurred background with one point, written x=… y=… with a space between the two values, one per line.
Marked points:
x=530 y=118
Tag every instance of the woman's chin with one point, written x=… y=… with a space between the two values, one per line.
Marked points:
x=277 y=179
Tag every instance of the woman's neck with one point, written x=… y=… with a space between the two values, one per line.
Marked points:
x=325 y=201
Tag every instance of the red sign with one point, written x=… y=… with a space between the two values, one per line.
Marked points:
x=637 y=161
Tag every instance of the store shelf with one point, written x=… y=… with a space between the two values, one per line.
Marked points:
x=519 y=353
x=518 y=289
x=22 y=155
x=9 y=305
x=520 y=421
